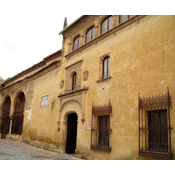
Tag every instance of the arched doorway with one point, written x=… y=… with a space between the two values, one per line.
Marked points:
x=71 y=133
x=18 y=116
x=5 y=124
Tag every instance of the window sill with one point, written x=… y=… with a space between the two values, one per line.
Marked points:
x=163 y=155
x=103 y=79
x=73 y=91
x=99 y=148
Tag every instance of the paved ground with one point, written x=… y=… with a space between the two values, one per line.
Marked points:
x=18 y=151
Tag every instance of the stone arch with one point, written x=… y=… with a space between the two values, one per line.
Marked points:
x=68 y=108
x=67 y=114
x=86 y=30
x=5 y=96
x=18 y=112
x=103 y=18
x=6 y=105
x=69 y=102
x=5 y=119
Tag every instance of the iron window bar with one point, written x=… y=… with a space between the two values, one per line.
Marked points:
x=100 y=135
x=155 y=126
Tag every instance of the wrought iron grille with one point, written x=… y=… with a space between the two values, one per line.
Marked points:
x=154 y=126
x=100 y=130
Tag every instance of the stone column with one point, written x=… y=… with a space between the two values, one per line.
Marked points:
x=114 y=20
x=96 y=26
x=11 y=117
x=69 y=47
x=81 y=37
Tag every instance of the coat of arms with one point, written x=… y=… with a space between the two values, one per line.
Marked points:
x=62 y=84
x=85 y=75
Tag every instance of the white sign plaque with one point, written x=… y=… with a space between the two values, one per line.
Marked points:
x=44 y=101
x=88 y=125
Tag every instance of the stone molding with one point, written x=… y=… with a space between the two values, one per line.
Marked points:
x=69 y=102
x=70 y=70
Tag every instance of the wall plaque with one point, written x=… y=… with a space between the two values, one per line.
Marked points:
x=88 y=125
x=44 y=101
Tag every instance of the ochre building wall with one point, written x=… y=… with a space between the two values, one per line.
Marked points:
x=141 y=61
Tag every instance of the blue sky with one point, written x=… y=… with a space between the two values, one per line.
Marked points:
x=26 y=39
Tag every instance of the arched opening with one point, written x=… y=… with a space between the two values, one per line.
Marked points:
x=18 y=116
x=106 y=67
x=74 y=79
x=90 y=34
x=5 y=124
x=76 y=43
x=106 y=24
x=71 y=133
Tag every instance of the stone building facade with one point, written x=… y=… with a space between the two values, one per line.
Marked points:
x=107 y=94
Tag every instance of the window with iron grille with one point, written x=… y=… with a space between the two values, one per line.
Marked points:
x=74 y=77
x=76 y=43
x=100 y=129
x=123 y=18
x=157 y=133
x=154 y=126
x=106 y=24
x=106 y=67
x=90 y=35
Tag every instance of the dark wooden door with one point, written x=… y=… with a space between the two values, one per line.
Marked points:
x=17 y=123
x=5 y=126
x=71 y=133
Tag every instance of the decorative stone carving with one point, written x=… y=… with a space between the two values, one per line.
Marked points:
x=69 y=73
x=69 y=102
x=85 y=75
x=62 y=84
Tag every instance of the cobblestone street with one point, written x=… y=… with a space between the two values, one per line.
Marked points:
x=18 y=151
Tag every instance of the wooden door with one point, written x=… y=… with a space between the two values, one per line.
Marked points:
x=71 y=133
x=5 y=126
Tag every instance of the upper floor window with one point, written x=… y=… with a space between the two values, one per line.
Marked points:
x=76 y=42
x=123 y=18
x=106 y=67
x=74 y=78
x=106 y=24
x=90 y=35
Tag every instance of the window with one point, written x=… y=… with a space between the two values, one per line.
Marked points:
x=106 y=24
x=103 y=131
x=106 y=67
x=100 y=130
x=123 y=18
x=90 y=35
x=154 y=126
x=74 y=77
x=76 y=43
x=158 y=133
